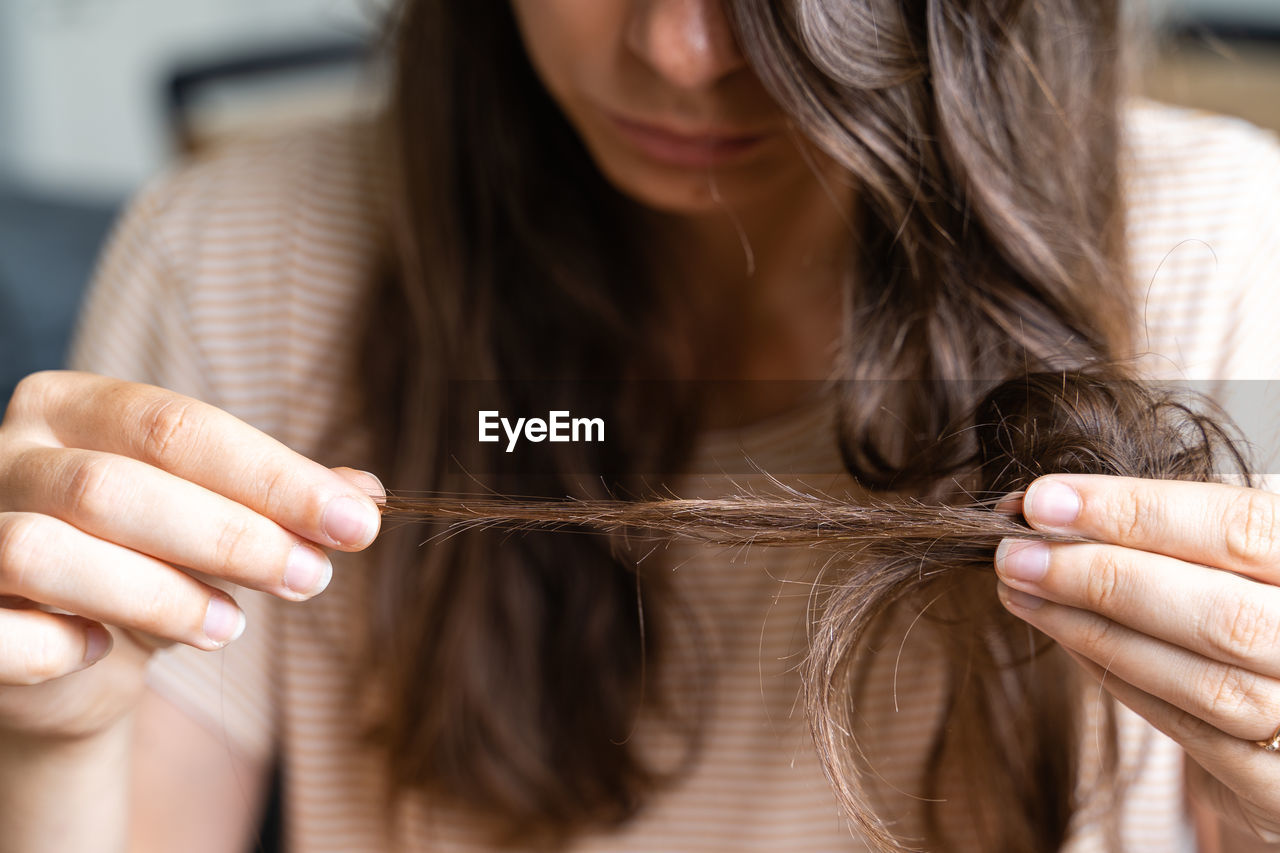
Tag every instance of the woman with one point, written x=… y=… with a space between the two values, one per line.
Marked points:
x=621 y=192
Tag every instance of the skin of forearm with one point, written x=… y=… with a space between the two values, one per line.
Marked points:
x=66 y=795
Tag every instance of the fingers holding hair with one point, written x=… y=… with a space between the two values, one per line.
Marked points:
x=200 y=443
x=1214 y=524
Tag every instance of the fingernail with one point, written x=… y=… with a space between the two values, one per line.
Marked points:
x=350 y=522
x=377 y=491
x=1052 y=503
x=1010 y=504
x=308 y=571
x=223 y=621
x=1017 y=599
x=1018 y=559
x=97 y=643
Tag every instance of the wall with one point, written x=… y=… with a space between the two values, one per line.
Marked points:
x=81 y=81
x=1261 y=10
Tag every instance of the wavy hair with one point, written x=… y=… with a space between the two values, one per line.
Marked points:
x=1006 y=688
x=983 y=135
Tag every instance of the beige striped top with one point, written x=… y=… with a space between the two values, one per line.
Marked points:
x=236 y=280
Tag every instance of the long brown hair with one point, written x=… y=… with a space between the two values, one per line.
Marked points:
x=985 y=143
x=1009 y=704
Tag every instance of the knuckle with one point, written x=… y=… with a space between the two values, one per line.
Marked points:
x=1103 y=580
x=1137 y=517
x=1248 y=629
x=1094 y=637
x=1187 y=728
x=167 y=428
x=19 y=533
x=1251 y=526
x=233 y=547
x=88 y=490
x=1231 y=693
x=278 y=491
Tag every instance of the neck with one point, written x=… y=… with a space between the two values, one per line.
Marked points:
x=756 y=291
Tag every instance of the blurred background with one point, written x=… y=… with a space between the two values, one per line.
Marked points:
x=98 y=95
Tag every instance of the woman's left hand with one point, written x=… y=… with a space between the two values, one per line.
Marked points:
x=1175 y=609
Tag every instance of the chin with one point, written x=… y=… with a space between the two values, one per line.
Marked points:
x=688 y=192
x=679 y=197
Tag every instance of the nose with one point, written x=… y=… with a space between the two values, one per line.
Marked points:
x=688 y=42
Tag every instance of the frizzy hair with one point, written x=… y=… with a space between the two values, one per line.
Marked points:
x=891 y=551
x=982 y=137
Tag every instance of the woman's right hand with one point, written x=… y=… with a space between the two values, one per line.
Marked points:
x=109 y=490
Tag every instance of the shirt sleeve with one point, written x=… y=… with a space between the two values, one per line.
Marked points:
x=137 y=324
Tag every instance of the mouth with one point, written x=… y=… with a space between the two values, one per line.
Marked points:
x=701 y=148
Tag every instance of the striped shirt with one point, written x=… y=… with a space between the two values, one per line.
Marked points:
x=236 y=280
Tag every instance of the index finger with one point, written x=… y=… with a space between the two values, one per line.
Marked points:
x=208 y=446
x=1218 y=525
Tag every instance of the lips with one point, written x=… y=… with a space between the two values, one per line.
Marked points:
x=688 y=149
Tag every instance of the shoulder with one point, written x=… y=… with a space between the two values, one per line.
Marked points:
x=235 y=277
x=275 y=196
x=1165 y=137
x=1196 y=175
x=1203 y=218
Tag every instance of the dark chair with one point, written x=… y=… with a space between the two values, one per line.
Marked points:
x=47 y=251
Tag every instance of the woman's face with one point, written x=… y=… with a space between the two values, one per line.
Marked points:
x=663 y=99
